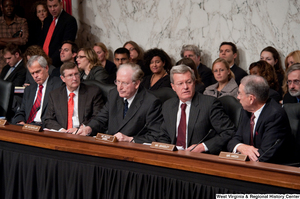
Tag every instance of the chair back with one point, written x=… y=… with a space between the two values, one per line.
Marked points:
x=232 y=108
x=6 y=98
x=105 y=88
x=164 y=93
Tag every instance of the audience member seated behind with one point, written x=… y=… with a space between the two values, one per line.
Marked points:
x=271 y=55
x=193 y=52
x=226 y=84
x=40 y=12
x=160 y=64
x=131 y=113
x=228 y=51
x=15 y=70
x=68 y=51
x=90 y=66
x=291 y=58
x=293 y=83
x=121 y=56
x=265 y=70
x=269 y=121
x=14 y=29
x=199 y=87
x=103 y=55
x=74 y=104
x=137 y=55
x=31 y=51
x=35 y=98
x=203 y=114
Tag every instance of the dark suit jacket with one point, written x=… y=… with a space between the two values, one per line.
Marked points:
x=143 y=117
x=206 y=75
x=97 y=73
x=89 y=104
x=238 y=73
x=17 y=77
x=28 y=99
x=289 y=99
x=272 y=124
x=206 y=113
x=65 y=29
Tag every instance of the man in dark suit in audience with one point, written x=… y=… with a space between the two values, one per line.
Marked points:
x=65 y=28
x=193 y=52
x=192 y=117
x=131 y=113
x=14 y=71
x=74 y=104
x=38 y=68
x=68 y=51
x=228 y=51
x=263 y=122
x=293 y=83
x=121 y=56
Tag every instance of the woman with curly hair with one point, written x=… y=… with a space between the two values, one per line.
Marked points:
x=265 y=70
x=90 y=66
x=160 y=64
x=226 y=85
x=35 y=50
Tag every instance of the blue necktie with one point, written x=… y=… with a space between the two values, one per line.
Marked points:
x=125 y=108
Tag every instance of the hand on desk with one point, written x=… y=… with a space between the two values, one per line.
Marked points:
x=84 y=130
x=248 y=150
x=123 y=138
x=71 y=130
x=22 y=123
x=199 y=149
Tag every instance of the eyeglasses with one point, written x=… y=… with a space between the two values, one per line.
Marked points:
x=131 y=49
x=80 y=57
x=64 y=50
x=72 y=75
x=125 y=84
x=188 y=82
x=296 y=82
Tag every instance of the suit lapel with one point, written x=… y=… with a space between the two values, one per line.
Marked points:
x=81 y=102
x=64 y=106
x=15 y=70
x=46 y=96
x=173 y=119
x=194 y=112
x=134 y=107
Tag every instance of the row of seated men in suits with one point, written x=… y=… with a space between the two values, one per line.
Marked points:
x=132 y=114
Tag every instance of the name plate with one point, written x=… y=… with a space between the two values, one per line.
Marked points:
x=30 y=127
x=163 y=146
x=3 y=122
x=232 y=156
x=106 y=137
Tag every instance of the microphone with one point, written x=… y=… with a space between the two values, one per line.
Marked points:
x=277 y=141
x=140 y=131
x=202 y=139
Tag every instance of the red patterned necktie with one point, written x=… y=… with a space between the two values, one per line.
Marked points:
x=36 y=105
x=70 y=110
x=252 y=128
x=49 y=36
x=181 y=137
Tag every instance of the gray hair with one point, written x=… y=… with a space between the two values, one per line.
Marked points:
x=292 y=68
x=138 y=74
x=257 y=86
x=190 y=47
x=181 y=69
x=40 y=59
